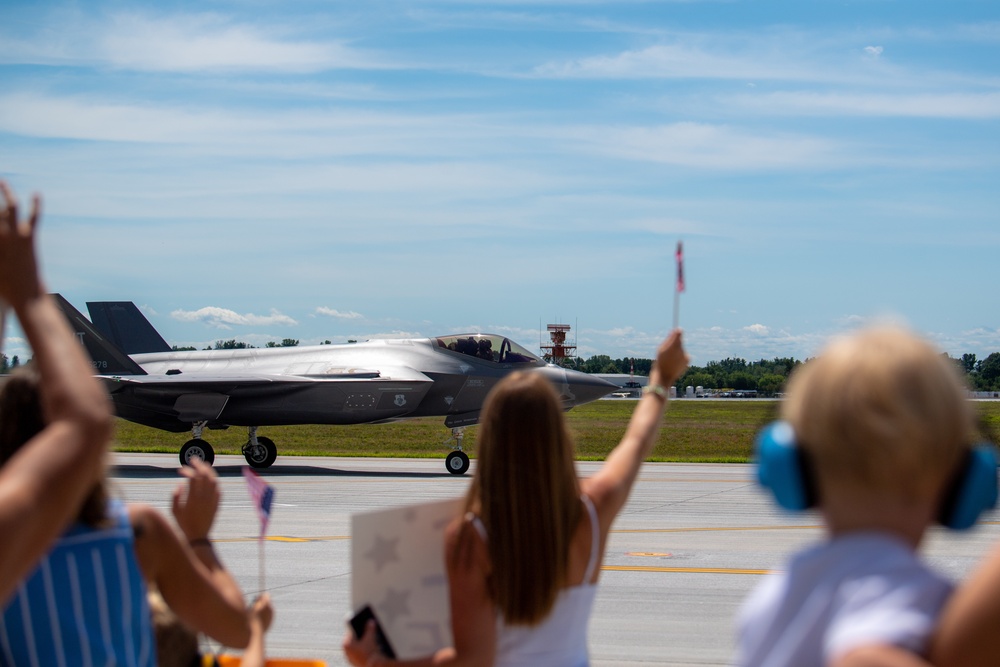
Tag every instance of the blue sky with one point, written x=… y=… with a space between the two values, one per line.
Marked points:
x=336 y=170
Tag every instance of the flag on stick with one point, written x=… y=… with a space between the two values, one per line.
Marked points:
x=680 y=267
x=262 y=495
x=680 y=283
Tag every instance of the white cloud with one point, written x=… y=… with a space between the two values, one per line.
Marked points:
x=291 y=134
x=203 y=42
x=37 y=115
x=223 y=318
x=441 y=142
x=962 y=106
x=621 y=332
x=179 y=43
x=790 y=55
x=709 y=146
x=389 y=335
x=853 y=321
x=982 y=341
x=886 y=318
x=773 y=55
x=605 y=334
x=331 y=312
x=676 y=61
x=751 y=343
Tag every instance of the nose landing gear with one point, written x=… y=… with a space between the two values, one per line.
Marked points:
x=196 y=448
x=457 y=462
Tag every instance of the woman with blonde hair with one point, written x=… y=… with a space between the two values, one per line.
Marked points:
x=524 y=561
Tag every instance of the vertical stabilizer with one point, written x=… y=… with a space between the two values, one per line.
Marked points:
x=107 y=359
x=126 y=327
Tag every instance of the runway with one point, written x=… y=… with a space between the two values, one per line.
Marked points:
x=692 y=541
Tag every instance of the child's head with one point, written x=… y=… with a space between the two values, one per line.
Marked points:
x=176 y=643
x=881 y=411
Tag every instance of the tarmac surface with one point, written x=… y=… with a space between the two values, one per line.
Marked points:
x=692 y=541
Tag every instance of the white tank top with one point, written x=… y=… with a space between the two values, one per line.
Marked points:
x=561 y=639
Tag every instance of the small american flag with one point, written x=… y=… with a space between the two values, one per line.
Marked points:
x=262 y=495
x=680 y=267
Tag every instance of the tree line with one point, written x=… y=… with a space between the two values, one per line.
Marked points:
x=233 y=344
x=9 y=364
x=767 y=377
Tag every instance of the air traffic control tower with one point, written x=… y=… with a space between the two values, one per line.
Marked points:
x=558 y=350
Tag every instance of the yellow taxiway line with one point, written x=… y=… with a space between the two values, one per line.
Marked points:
x=695 y=570
x=330 y=538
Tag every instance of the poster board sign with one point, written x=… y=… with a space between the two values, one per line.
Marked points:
x=397 y=567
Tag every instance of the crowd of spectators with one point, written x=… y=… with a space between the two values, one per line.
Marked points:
x=876 y=434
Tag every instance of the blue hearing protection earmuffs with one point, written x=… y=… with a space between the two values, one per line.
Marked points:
x=785 y=469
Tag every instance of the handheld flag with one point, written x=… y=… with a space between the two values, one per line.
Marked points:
x=680 y=283
x=262 y=495
x=680 y=267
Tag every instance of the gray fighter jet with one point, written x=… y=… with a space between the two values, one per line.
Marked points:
x=360 y=383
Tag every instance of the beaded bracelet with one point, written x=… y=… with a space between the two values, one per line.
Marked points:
x=657 y=389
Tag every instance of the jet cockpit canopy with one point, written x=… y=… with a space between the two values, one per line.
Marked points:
x=489 y=347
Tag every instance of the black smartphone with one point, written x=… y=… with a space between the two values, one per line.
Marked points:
x=360 y=620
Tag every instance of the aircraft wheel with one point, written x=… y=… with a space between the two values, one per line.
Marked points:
x=457 y=463
x=197 y=449
x=261 y=456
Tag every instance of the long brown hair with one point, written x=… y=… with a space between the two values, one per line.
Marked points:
x=22 y=418
x=527 y=494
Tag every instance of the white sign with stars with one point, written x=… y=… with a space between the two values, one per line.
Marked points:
x=397 y=567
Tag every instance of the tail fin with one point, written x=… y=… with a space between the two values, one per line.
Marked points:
x=107 y=359
x=123 y=324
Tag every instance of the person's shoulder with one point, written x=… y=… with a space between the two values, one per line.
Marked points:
x=141 y=512
x=147 y=521
x=876 y=575
x=466 y=527
x=465 y=543
x=599 y=490
x=869 y=552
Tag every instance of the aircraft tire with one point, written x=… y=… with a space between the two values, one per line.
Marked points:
x=457 y=463
x=261 y=456
x=197 y=448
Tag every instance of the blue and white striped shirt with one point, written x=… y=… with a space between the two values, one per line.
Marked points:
x=85 y=603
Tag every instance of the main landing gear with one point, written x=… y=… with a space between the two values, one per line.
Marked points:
x=196 y=448
x=457 y=463
x=259 y=451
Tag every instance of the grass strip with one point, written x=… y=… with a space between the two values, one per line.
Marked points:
x=695 y=431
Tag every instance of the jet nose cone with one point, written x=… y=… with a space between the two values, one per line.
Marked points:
x=576 y=388
x=587 y=388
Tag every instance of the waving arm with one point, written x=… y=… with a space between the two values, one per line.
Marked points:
x=43 y=484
